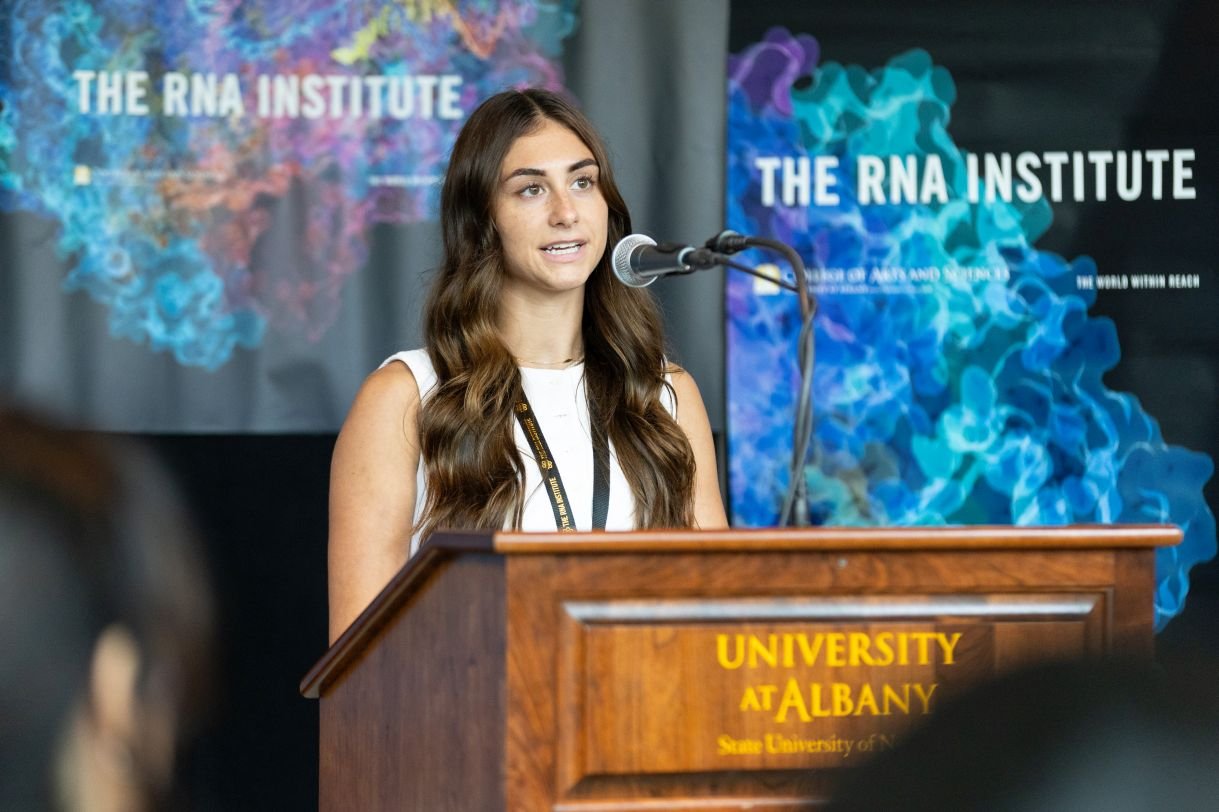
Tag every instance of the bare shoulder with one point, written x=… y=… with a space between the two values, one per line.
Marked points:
x=389 y=392
x=692 y=417
x=382 y=426
x=685 y=388
x=372 y=491
x=394 y=382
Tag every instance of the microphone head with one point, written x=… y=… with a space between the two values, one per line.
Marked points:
x=622 y=260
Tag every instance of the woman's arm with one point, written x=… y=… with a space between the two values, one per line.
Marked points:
x=692 y=417
x=372 y=492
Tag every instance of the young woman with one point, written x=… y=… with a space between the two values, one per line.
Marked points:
x=525 y=326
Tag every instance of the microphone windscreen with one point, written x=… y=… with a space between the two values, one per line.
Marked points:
x=622 y=260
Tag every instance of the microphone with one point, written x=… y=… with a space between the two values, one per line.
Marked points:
x=639 y=261
x=728 y=242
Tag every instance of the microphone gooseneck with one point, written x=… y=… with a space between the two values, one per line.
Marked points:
x=728 y=242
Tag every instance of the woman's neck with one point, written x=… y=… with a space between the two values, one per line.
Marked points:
x=543 y=332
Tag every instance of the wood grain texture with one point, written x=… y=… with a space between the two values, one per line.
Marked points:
x=653 y=678
x=579 y=672
x=637 y=703
x=384 y=608
x=989 y=537
x=417 y=721
x=1134 y=582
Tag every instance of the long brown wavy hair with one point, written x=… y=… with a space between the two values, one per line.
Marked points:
x=473 y=471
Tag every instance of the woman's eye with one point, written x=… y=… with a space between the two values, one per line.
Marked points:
x=584 y=182
x=532 y=190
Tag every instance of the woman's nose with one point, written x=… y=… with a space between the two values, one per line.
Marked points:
x=562 y=209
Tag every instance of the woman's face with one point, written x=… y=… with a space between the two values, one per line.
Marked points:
x=549 y=212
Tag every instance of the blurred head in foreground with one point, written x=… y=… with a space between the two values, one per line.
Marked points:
x=1084 y=737
x=105 y=621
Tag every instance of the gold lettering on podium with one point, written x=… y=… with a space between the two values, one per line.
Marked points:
x=835 y=649
x=846 y=699
x=795 y=696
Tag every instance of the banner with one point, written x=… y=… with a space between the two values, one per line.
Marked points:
x=221 y=216
x=1009 y=235
x=211 y=176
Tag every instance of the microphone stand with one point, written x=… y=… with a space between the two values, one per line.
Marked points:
x=794 y=512
x=636 y=264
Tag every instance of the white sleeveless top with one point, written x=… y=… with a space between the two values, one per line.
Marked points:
x=558 y=400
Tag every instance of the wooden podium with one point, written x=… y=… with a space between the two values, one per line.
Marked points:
x=696 y=670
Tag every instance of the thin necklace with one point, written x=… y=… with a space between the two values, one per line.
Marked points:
x=566 y=362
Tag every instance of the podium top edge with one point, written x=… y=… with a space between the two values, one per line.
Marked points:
x=960 y=537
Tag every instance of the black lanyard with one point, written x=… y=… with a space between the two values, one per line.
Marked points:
x=553 y=483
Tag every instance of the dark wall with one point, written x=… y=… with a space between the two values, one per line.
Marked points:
x=261 y=503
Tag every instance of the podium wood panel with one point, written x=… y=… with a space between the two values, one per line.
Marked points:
x=391 y=738
x=585 y=671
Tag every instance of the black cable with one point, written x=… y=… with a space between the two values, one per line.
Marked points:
x=795 y=501
x=797 y=266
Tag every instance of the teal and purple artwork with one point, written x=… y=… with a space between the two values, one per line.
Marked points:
x=212 y=170
x=959 y=371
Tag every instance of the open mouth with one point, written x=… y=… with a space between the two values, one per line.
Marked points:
x=559 y=249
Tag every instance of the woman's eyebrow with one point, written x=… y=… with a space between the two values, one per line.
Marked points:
x=531 y=172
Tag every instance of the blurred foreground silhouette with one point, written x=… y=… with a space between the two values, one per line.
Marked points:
x=1063 y=736
x=105 y=623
